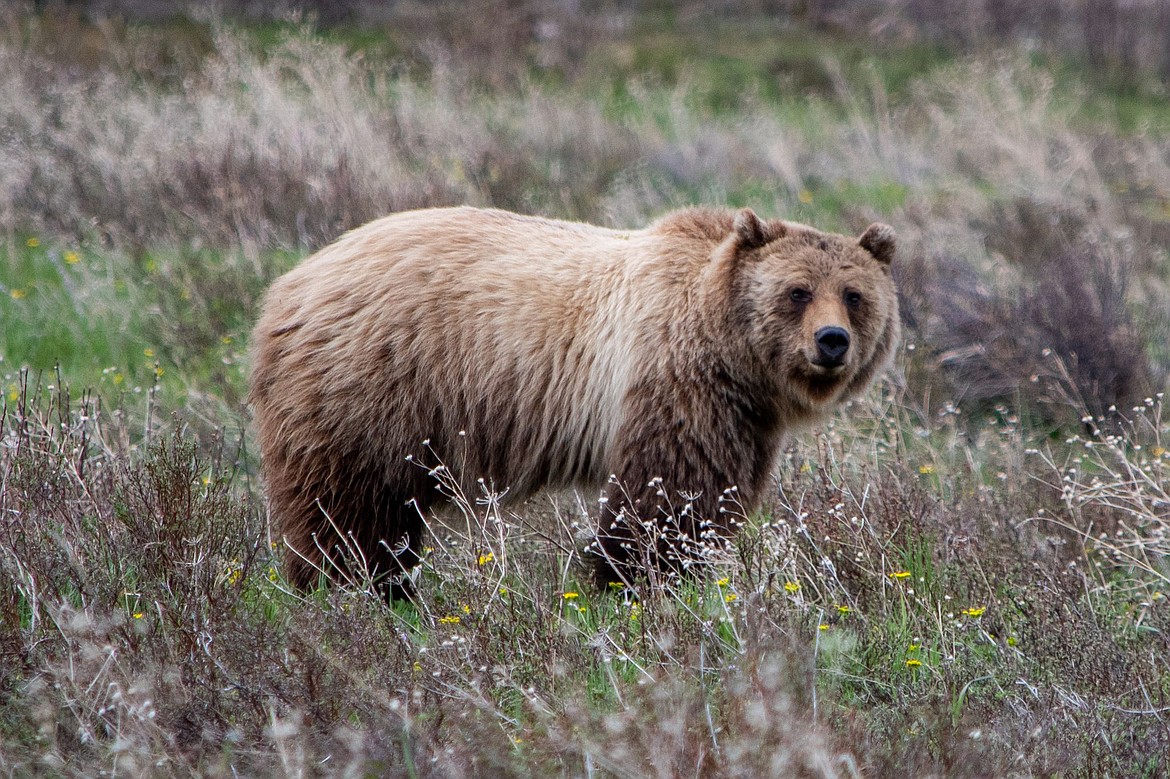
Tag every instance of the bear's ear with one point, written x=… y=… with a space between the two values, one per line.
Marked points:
x=879 y=239
x=752 y=233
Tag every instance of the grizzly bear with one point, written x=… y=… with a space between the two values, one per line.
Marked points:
x=665 y=363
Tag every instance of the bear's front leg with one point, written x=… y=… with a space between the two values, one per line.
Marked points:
x=690 y=458
x=646 y=529
x=662 y=512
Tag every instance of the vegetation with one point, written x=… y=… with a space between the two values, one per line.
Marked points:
x=965 y=574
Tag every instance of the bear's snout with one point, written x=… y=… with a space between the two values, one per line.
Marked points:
x=832 y=344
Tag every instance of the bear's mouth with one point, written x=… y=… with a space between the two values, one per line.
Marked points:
x=823 y=368
x=822 y=381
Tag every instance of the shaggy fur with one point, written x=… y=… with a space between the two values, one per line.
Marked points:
x=532 y=353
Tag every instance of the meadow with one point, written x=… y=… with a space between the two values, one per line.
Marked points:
x=964 y=574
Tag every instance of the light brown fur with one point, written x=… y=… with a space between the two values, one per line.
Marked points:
x=533 y=353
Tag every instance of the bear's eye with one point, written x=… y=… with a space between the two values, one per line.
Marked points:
x=800 y=295
x=853 y=299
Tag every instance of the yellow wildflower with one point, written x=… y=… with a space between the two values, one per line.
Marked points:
x=33 y=243
x=974 y=611
x=843 y=609
x=900 y=575
x=148 y=352
x=72 y=258
x=17 y=294
x=486 y=558
x=791 y=587
x=570 y=595
x=139 y=614
x=926 y=470
x=1158 y=451
x=913 y=662
x=451 y=620
x=731 y=596
x=726 y=580
x=823 y=626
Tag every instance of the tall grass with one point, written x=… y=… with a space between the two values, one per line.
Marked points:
x=904 y=603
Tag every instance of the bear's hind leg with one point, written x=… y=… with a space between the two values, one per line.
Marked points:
x=392 y=548
x=351 y=534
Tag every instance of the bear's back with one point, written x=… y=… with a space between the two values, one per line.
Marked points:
x=510 y=337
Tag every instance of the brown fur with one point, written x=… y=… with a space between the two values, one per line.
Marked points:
x=532 y=353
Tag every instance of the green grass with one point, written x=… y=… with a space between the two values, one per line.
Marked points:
x=729 y=61
x=66 y=306
x=172 y=324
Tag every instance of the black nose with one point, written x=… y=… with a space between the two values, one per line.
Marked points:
x=832 y=343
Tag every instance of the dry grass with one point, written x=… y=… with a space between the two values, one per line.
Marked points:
x=280 y=148
x=155 y=634
x=878 y=618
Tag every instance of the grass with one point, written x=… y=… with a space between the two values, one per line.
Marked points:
x=964 y=574
x=902 y=628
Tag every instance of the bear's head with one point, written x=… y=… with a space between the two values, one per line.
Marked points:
x=820 y=310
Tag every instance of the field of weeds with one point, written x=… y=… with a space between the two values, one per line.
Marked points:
x=962 y=575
